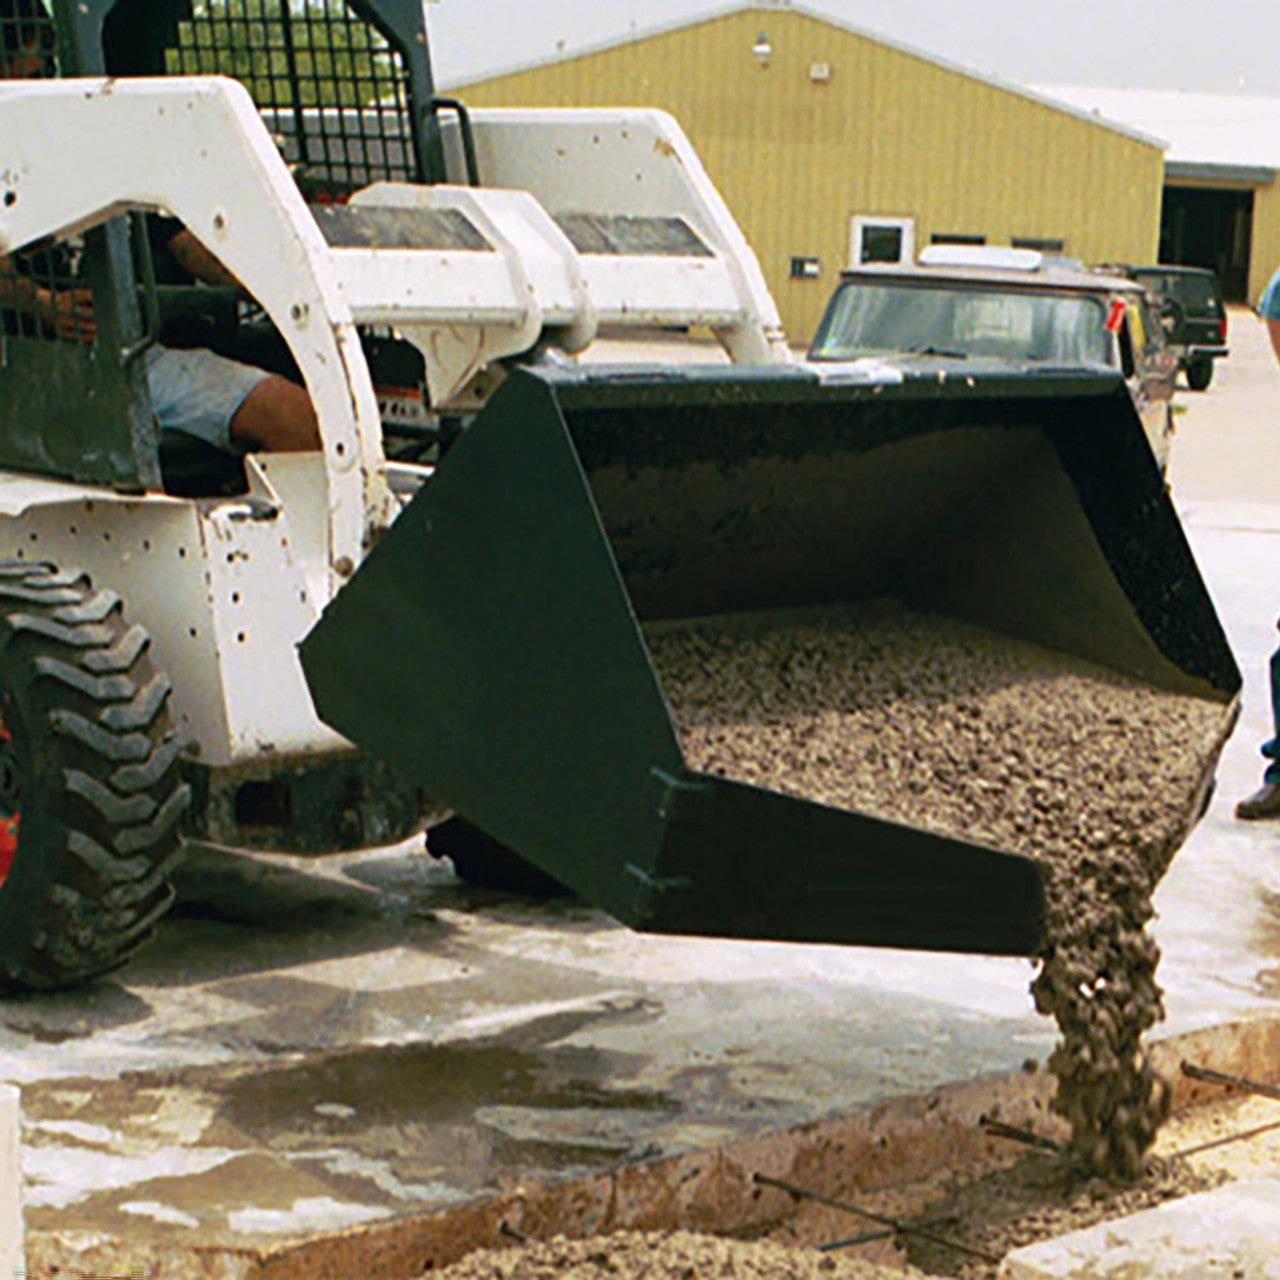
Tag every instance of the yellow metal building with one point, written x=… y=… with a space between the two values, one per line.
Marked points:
x=1221 y=165
x=828 y=142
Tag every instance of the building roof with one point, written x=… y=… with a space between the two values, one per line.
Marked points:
x=767 y=10
x=1233 y=138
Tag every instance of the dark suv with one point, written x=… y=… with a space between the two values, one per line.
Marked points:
x=1198 y=321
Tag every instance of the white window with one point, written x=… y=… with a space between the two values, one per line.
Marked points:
x=881 y=240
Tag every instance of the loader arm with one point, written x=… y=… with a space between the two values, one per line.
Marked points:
x=586 y=220
x=621 y=183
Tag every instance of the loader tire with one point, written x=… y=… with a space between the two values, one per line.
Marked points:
x=90 y=792
x=481 y=860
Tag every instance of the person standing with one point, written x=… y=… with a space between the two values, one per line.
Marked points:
x=1265 y=802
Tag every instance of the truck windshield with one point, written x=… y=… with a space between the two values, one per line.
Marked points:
x=881 y=317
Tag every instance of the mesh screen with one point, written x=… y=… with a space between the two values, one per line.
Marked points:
x=41 y=295
x=27 y=41
x=330 y=86
x=37 y=286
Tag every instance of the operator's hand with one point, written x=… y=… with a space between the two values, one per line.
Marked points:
x=68 y=314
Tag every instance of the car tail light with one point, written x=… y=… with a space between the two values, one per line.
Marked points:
x=1222 y=329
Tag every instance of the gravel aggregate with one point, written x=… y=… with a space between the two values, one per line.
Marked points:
x=950 y=727
x=674 y=1255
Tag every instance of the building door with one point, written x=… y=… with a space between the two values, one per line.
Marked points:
x=881 y=240
x=1209 y=227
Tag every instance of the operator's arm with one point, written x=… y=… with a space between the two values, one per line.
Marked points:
x=197 y=261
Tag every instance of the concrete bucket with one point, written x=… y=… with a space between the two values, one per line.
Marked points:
x=658 y=631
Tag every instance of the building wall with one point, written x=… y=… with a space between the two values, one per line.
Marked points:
x=888 y=133
x=1264 y=255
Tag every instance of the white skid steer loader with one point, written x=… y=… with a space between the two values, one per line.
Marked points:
x=117 y=737
x=465 y=563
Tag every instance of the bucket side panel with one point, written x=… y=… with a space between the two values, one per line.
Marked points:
x=487 y=651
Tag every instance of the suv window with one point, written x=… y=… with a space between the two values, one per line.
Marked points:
x=1196 y=293
x=934 y=318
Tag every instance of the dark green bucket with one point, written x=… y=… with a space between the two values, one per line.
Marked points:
x=490 y=648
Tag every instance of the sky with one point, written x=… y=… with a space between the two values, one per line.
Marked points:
x=1207 y=46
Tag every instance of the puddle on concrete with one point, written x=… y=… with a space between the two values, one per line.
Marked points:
x=349 y=1138
x=414 y=1109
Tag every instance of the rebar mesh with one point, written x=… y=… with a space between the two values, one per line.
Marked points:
x=329 y=84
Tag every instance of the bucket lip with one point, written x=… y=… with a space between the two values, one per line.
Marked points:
x=726 y=383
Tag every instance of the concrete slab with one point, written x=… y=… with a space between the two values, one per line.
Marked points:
x=1233 y=1233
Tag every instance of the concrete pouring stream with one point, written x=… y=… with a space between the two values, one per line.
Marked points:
x=357 y=1065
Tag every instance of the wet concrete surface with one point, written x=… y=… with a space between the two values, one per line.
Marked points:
x=315 y=1044
x=329 y=1053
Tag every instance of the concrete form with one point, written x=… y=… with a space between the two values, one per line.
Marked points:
x=11 y=1257
x=1234 y=1231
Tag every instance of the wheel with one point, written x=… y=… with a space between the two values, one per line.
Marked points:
x=90 y=793
x=480 y=860
x=1199 y=373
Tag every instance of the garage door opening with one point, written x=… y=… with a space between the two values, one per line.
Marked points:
x=1209 y=227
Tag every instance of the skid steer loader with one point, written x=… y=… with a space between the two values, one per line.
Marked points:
x=448 y=600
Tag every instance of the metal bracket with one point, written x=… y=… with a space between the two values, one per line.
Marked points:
x=659 y=884
x=677 y=799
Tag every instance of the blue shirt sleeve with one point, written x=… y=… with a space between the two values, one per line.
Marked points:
x=1269 y=307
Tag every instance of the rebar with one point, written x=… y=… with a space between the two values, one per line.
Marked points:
x=1210 y=1076
x=850 y=1242
x=1222 y=1142
x=902 y=1228
x=868 y=1237
x=998 y=1129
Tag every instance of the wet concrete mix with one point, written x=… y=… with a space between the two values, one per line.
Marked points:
x=675 y=1255
x=946 y=726
x=972 y=1225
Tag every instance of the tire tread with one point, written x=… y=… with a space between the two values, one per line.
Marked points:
x=113 y=799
